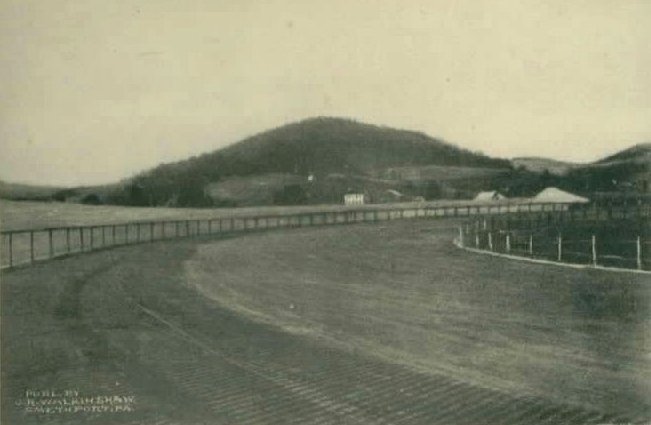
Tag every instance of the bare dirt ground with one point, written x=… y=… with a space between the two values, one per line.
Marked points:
x=362 y=324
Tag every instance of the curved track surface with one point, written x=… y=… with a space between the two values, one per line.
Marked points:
x=363 y=324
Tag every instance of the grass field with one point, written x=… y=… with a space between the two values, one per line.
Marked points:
x=28 y=215
x=35 y=215
x=364 y=324
x=16 y=215
x=444 y=173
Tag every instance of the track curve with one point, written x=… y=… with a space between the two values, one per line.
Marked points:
x=364 y=324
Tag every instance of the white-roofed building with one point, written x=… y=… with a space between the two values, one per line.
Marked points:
x=492 y=195
x=556 y=195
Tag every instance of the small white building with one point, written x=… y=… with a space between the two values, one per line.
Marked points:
x=492 y=195
x=354 y=199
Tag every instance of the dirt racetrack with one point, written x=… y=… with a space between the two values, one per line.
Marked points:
x=362 y=324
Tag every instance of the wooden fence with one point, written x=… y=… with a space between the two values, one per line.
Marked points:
x=599 y=237
x=26 y=246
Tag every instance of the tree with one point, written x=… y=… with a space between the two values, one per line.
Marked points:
x=191 y=192
x=91 y=199
x=290 y=195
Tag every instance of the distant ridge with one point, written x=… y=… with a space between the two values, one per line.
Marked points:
x=540 y=165
x=637 y=153
x=31 y=192
x=625 y=172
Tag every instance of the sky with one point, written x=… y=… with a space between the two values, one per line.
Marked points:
x=93 y=91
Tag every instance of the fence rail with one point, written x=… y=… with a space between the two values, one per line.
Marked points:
x=26 y=246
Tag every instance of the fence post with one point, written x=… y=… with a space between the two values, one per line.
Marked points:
x=460 y=236
x=11 y=250
x=68 y=240
x=31 y=246
x=531 y=244
x=187 y=228
x=508 y=242
x=113 y=234
x=477 y=240
x=92 y=238
x=560 y=247
x=594 y=250
x=639 y=253
x=490 y=241
x=81 y=239
x=50 y=242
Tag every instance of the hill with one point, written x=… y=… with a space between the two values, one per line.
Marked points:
x=312 y=161
x=323 y=145
x=639 y=153
x=625 y=172
x=20 y=192
x=540 y=165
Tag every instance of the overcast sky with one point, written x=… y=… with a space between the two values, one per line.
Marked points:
x=94 y=91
